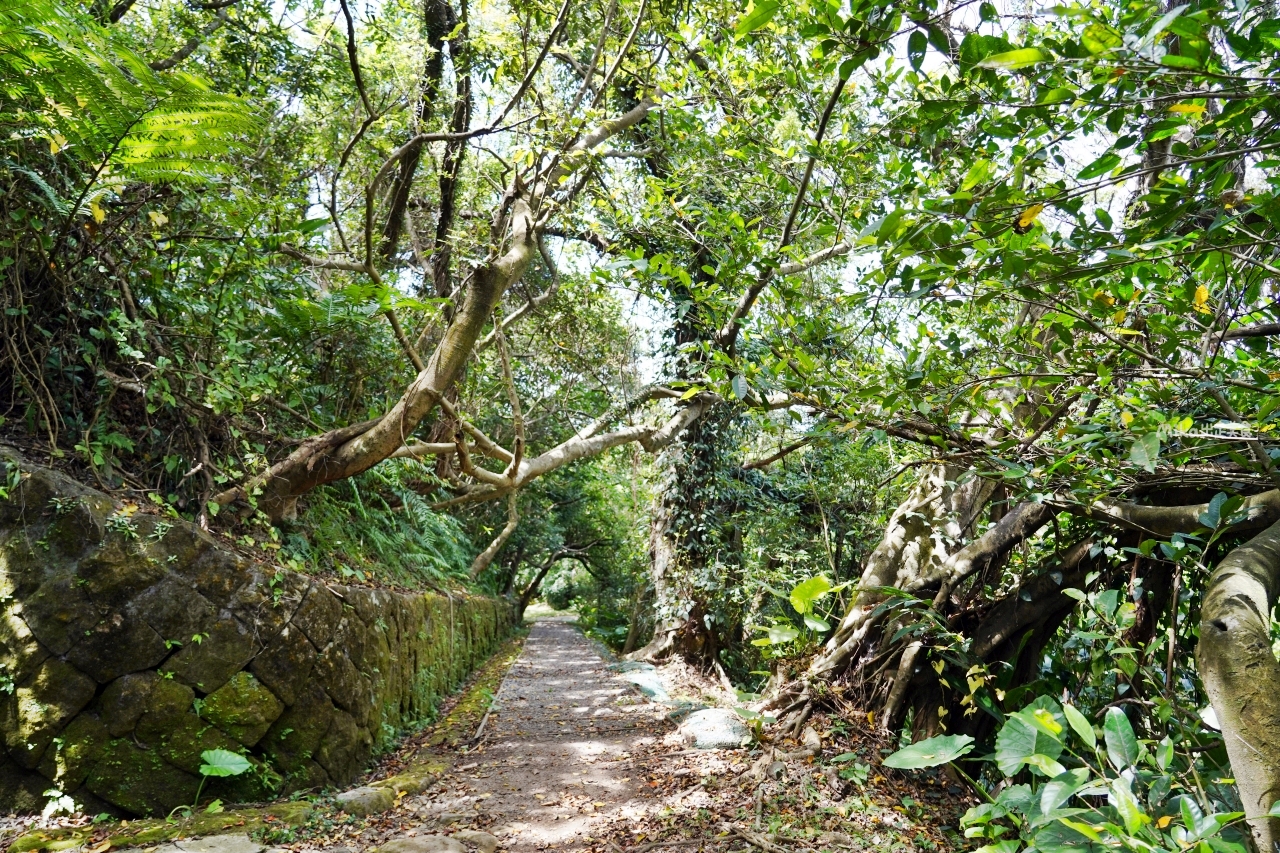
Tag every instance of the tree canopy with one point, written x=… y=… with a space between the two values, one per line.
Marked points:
x=918 y=354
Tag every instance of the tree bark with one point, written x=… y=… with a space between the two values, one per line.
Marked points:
x=1241 y=674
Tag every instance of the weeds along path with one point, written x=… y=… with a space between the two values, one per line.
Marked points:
x=555 y=766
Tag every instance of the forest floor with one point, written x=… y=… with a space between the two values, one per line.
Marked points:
x=566 y=755
x=572 y=758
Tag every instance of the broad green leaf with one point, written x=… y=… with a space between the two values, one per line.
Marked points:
x=1083 y=828
x=1121 y=797
x=781 y=633
x=930 y=752
x=1122 y=744
x=1058 y=95
x=1015 y=743
x=1012 y=60
x=814 y=623
x=1101 y=166
x=917 y=45
x=1047 y=766
x=805 y=593
x=1080 y=725
x=1145 y=451
x=979 y=173
x=740 y=388
x=222 y=762
x=759 y=13
x=1060 y=789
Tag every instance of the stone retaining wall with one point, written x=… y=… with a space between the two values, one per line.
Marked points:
x=130 y=644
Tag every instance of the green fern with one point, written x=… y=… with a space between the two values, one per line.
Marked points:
x=64 y=81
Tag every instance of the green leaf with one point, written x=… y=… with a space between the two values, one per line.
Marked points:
x=759 y=13
x=1121 y=796
x=222 y=762
x=740 y=388
x=1080 y=725
x=776 y=635
x=930 y=752
x=805 y=593
x=1012 y=60
x=1057 y=96
x=845 y=756
x=1058 y=790
x=1122 y=744
x=979 y=173
x=1101 y=166
x=1145 y=451
x=1015 y=743
x=816 y=624
x=1174 y=61
x=917 y=45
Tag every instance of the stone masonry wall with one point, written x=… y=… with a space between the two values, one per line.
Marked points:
x=130 y=644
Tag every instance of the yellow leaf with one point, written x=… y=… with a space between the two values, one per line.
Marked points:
x=1187 y=109
x=1126 y=418
x=101 y=846
x=1028 y=217
x=57 y=143
x=938 y=666
x=975 y=684
x=1201 y=297
x=157 y=218
x=96 y=209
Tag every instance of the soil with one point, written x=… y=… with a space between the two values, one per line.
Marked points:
x=557 y=767
x=572 y=758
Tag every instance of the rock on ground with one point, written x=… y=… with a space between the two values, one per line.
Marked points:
x=645 y=677
x=423 y=844
x=241 y=843
x=362 y=802
x=715 y=728
x=482 y=841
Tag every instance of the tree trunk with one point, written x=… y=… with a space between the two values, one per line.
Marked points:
x=1241 y=674
x=914 y=548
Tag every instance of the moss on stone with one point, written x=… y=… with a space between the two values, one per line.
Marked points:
x=243 y=708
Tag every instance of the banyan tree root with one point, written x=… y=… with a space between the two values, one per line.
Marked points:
x=1241 y=674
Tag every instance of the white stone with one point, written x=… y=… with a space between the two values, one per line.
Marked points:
x=715 y=728
x=239 y=843
x=482 y=841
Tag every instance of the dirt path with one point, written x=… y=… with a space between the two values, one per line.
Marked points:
x=555 y=767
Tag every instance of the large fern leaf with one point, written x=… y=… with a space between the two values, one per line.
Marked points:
x=64 y=79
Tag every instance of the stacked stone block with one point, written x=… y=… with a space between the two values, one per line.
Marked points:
x=129 y=644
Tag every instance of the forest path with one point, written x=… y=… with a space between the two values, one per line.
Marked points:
x=557 y=766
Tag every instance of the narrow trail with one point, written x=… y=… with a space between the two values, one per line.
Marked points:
x=555 y=767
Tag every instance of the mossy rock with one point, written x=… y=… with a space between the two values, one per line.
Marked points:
x=80 y=745
x=285 y=665
x=243 y=708
x=183 y=743
x=145 y=833
x=294 y=738
x=124 y=701
x=223 y=651
x=138 y=780
x=415 y=779
x=40 y=708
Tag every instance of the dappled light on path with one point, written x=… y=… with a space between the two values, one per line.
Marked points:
x=555 y=767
